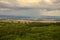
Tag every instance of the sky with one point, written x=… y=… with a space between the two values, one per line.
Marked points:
x=32 y=8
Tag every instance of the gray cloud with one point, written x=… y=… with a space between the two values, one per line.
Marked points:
x=29 y=8
x=50 y=13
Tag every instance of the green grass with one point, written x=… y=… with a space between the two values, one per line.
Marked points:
x=31 y=31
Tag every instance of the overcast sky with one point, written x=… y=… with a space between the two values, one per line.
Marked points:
x=30 y=7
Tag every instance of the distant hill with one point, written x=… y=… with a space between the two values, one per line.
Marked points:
x=50 y=17
x=11 y=16
x=42 y=17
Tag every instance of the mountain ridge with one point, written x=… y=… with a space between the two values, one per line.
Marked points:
x=42 y=17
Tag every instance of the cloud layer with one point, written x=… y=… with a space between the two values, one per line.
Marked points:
x=32 y=3
x=30 y=7
x=50 y=13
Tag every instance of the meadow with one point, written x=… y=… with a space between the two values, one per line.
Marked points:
x=30 y=31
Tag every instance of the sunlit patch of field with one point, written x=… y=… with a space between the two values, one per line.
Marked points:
x=28 y=21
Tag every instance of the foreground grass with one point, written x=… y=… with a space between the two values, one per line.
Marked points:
x=31 y=31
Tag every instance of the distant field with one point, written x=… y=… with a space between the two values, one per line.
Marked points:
x=29 y=20
x=30 y=31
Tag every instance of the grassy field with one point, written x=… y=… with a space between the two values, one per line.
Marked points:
x=30 y=31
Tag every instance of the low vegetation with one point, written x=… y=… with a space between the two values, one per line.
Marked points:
x=30 y=31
